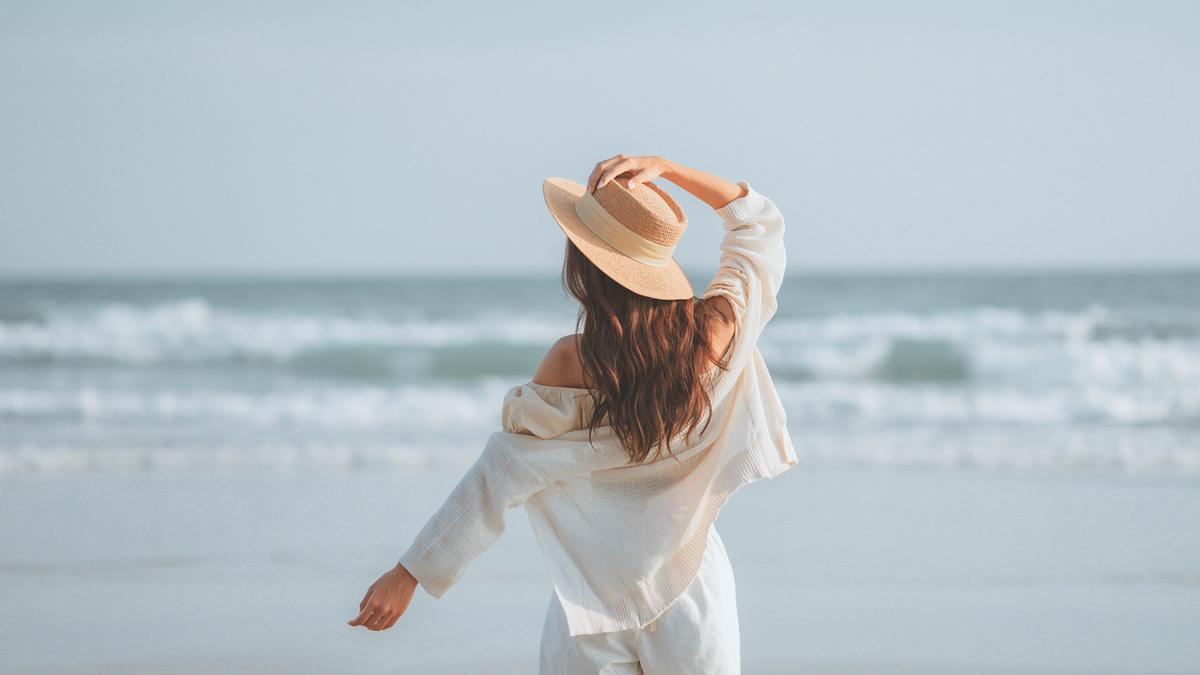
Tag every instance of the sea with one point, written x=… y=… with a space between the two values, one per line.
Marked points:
x=1066 y=371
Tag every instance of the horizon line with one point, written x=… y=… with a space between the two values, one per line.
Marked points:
x=816 y=271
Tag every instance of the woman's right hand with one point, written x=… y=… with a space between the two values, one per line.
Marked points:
x=386 y=599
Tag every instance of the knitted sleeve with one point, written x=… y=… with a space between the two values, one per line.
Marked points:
x=537 y=448
x=753 y=260
x=472 y=517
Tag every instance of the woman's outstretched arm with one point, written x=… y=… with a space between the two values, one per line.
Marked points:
x=512 y=467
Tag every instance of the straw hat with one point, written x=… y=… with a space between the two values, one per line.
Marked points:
x=628 y=232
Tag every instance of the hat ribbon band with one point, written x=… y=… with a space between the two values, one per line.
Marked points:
x=604 y=225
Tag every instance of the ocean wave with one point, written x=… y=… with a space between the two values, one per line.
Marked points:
x=984 y=345
x=923 y=361
x=961 y=325
x=1092 y=323
x=432 y=408
x=866 y=403
x=1031 y=362
x=1092 y=346
x=67 y=458
x=193 y=330
x=435 y=407
x=446 y=362
x=1132 y=449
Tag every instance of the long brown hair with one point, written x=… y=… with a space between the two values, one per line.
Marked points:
x=645 y=361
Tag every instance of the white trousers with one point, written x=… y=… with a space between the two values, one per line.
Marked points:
x=697 y=634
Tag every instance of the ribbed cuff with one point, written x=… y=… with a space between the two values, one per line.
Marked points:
x=743 y=208
x=416 y=565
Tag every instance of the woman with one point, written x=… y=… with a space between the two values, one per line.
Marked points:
x=631 y=434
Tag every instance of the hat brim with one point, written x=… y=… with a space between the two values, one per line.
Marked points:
x=662 y=283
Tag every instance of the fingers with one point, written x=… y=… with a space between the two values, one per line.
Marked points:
x=613 y=170
x=375 y=617
x=642 y=175
x=599 y=169
x=366 y=609
x=362 y=617
x=379 y=620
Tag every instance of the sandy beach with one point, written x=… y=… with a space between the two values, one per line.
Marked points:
x=269 y=271
x=874 y=570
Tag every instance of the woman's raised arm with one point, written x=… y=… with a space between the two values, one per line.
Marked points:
x=708 y=188
x=753 y=259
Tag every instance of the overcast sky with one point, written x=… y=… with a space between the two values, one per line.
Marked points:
x=393 y=137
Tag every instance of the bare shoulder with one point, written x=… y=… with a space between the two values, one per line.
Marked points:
x=561 y=366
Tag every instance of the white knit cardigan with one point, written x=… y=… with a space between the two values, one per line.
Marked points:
x=621 y=542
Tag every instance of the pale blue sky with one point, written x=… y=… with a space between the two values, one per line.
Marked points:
x=383 y=137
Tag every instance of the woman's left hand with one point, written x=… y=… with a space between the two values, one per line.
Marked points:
x=641 y=169
x=386 y=599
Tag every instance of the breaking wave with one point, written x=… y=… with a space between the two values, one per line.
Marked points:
x=192 y=331
x=194 y=382
x=1093 y=345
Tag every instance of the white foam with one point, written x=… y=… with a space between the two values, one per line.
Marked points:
x=193 y=330
x=66 y=458
x=875 y=403
x=1002 y=346
x=424 y=406
x=1132 y=449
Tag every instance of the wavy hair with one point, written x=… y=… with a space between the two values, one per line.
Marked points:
x=646 y=362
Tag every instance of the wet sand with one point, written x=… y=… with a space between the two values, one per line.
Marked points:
x=839 y=570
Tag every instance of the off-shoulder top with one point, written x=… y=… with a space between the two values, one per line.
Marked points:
x=545 y=411
x=622 y=541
